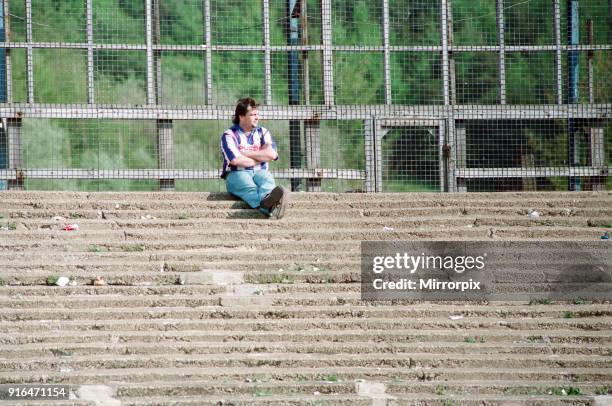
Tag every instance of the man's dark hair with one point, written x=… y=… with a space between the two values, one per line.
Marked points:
x=242 y=108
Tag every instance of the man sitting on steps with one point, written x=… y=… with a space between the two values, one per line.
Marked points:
x=247 y=150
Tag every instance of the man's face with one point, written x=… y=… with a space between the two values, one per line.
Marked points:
x=250 y=120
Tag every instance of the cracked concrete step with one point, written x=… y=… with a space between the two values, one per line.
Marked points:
x=314 y=224
x=549 y=337
x=267 y=323
x=190 y=300
x=177 y=199
x=272 y=274
x=134 y=254
x=444 y=233
x=284 y=312
x=340 y=400
x=297 y=213
x=339 y=387
x=479 y=346
x=158 y=279
x=159 y=248
x=298 y=196
x=42 y=292
x=217 y=197
x=68 y=375
x=207 y=289
x=285 y=360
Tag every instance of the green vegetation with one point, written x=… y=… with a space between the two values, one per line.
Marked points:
x=565 y=391
x=416 y=79
x=473 y=340
x=540 y=302
x=132 y=248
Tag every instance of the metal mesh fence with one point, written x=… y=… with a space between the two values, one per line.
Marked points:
x=360 y=95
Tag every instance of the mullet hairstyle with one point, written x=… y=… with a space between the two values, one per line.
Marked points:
x=242 y=108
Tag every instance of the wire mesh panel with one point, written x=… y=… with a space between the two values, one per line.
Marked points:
x=411 y=157
x=360 y=95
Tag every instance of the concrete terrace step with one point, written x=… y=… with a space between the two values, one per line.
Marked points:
x=272 y=321
x=309 y=201
x=297 y=214
x=442 y=337
x=314 y=223
x=199 y=298
x=321 y=347
x=68 y=375
x=339 y=387
x=358 y=233
x=318 y=399
x=190 y=196
x=293 y=360
x=271 y=310
x=286 y=312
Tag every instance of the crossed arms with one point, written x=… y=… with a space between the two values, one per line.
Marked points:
x=252 y=158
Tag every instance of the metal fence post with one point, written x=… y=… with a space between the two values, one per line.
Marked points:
x=15 y=152
x=3 y=79
x=293 y=32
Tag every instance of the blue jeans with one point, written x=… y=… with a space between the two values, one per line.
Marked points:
x=251 y=186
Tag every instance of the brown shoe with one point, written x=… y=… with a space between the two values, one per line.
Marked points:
x=276 y=202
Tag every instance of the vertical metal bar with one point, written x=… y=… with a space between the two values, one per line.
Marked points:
x=461 y=153
x=450 y=95
x=165 y=154
x=558 y=63
x=3 y=77
x=573 y=31
x=445 y=64
x=596 y=138
x=597 y=157
x=379 y=134
x=502 y=51
x=208 y=91
x=451 y=150
x=15 y=151
x=157 y=60
x=7 y=37
x=387 y=56
x=293 y=75
x=90 y=53
x=312 y=132
x=590 y=60
x=305 y=62
x=442 y=170
x=370 y=163
x=149 y=42
x=267 y=56
x=29 y=62
x=451 y=58
x=326 y=39
x=3 y=85
x=312 y=127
